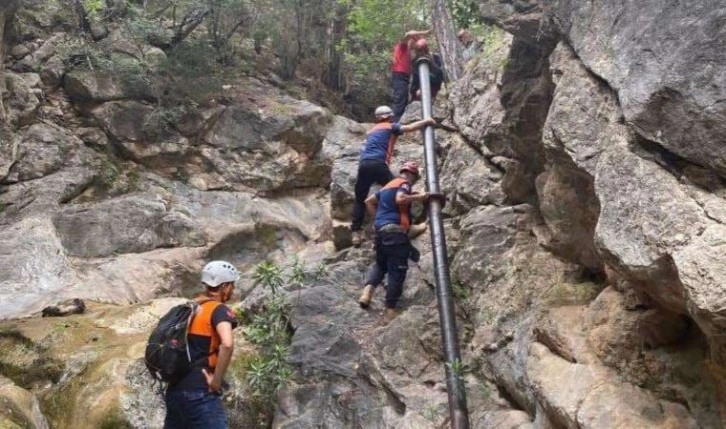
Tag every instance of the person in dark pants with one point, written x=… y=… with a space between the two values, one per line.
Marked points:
x=196 y=400
x=392 y=206
x=401 y=71
x=374 y=159
x=436 y=71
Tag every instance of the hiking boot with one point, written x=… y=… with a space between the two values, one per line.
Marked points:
x=366 y=296
x=357 y=237
x=390 y=314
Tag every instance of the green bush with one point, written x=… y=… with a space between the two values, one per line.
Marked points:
x=269 y=329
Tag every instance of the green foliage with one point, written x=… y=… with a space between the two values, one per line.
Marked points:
x=465 y=13
x=374 y=26
x=459 y=369
x=462 y=294
x=114 y=178
x=299 y=275
x=94 y=9
x=269 y=275
x=269 y=329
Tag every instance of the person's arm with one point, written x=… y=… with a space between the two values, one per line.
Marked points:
x=404 y=198
x=371 y=205
x=418 y=125
x=416 y=33
x=417 y=229
x=224 y=356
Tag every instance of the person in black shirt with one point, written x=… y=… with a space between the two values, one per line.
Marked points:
x=195 y=401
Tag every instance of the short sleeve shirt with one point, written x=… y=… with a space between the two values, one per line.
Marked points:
x=389 y=212
x=401 y=59
x=380 y=142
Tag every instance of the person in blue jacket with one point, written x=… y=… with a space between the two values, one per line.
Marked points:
x=374 y=160
x=392 y=206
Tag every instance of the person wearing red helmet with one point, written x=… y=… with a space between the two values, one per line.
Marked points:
x=392 y=207
x=401 y=71
x=374 y=160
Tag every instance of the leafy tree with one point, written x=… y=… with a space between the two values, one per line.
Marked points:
x=465 y=13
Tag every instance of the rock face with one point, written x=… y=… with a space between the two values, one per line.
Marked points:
x=582 y=161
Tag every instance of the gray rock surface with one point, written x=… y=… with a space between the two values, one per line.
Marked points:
x=585 y=225
x=132 y=224
x=22 y=99
x=43 y=149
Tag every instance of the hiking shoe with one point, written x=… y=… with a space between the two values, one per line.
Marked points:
x=366 y=296
x=357 y=237
x=390 y=314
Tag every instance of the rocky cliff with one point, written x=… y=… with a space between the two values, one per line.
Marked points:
x=583 y=167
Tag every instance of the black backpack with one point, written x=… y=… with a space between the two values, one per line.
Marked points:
x=167 y=356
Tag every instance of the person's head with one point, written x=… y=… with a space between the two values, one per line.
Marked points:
x=421 y=46
x=465 y=37
x=383 y=114
x=410 y=172
x=218 y=278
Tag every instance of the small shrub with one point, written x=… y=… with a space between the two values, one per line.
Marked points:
x=269 y=329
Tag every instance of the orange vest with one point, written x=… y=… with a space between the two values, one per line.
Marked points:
x=202 y=326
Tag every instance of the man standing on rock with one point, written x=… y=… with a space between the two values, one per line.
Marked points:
x=374 y=159
x=392 y=206
x=401 y=71
x=196 y=400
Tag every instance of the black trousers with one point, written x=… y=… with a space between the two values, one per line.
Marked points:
x=369 y=172
x=399 y=83
x=392 y=253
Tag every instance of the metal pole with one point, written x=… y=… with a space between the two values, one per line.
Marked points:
x=455 y=384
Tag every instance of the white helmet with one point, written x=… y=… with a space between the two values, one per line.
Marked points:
x=383 y=112
x=217 y=272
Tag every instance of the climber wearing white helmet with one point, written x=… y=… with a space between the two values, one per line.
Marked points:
x=195 y=401
x=374 y=159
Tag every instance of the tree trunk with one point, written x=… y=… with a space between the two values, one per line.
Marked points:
x=446 y=37
x=337 y=27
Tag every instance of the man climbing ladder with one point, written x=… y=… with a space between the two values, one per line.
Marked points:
x=374 y=160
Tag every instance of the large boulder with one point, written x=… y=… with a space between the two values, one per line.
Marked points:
x=34 y=264
x=670 y=96
x=129 y=224
x=89 y=85
x=126 y=121
x=22 y=99
x=268 y=150
x=593 y=390
x=20 y=408
x=49 y=48
x=43 y=149
x=468 y=179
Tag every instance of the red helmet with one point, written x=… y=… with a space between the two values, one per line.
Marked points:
x=411 y=167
